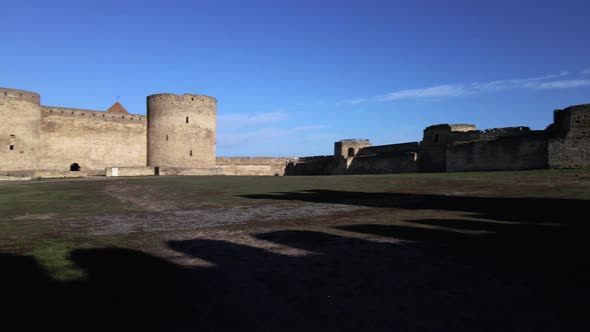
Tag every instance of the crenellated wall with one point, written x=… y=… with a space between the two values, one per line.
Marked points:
x=92 y=139
x=178 y=138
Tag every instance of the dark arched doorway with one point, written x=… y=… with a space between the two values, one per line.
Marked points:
x=351 y=152
x=74 y=167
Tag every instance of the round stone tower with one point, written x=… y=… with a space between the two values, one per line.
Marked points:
x=181 y=130
x=20 y=125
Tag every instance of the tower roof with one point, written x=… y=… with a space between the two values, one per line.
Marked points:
x=117 y=108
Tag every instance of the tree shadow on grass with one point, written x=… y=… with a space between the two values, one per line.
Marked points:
x=498 y=208
x=438 y=280
x=526 y=278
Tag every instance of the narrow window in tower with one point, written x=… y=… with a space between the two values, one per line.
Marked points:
x=11 y=147
x=191 y=153
x=436 y=138
x=187 y=119
x=166 y=138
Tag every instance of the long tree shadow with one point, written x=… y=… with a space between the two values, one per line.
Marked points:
x=124 y=290
x=510 y=277
x=569 y=211
x=439 y=280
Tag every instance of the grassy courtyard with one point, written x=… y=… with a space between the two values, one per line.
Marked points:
x=434 y=252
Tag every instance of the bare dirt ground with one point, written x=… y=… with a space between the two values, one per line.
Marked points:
x=449 y=252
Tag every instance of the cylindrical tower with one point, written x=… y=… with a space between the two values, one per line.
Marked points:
x=181 y=130
x=20 y=124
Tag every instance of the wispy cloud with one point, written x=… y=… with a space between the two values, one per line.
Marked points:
x=455 y=90
x=515 y=83
x=565 y=84
x=431 y=92
x=352 y=101
x=586 y=71
x=234 y=120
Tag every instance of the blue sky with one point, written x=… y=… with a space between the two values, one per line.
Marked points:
x=292 y=77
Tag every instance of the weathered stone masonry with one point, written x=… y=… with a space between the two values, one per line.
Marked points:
x=177 y=137
x=460 y=147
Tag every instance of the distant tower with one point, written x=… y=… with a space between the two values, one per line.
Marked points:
x=344 y=152
x=181 y=130
x=20 y=126
x=348 y=148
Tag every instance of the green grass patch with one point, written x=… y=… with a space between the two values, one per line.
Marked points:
x=54 y=258
x=67 y=199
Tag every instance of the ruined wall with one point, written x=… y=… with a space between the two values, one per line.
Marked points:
x=377 y=149
x=181 y=130
x=433 y=147
x=442 y=134
x=350 y=147
x=93 y=139
x=252 y=166
x=314 y=165
x=385 y=163
x=383 y=159
x=494 y=133
x=432 y=159
x=569 y=146
x=501 y=154
x=19 y=129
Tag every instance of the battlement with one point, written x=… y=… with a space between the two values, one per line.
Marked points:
x=20 y=94
x=354 y=140
x=494 y=133
x=187 y=97
x=91 y=114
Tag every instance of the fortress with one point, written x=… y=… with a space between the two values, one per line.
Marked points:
x=177 y=137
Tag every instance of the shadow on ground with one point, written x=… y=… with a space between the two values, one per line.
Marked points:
x=442 y=277
x=497 y=208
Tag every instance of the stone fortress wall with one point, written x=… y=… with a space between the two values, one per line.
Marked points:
x=92 y=139
x=177 y=137
x=461 y=147
x=569 y=146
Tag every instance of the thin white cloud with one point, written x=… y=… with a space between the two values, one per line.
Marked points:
x=564 y=84
x=456 y=90
x=515 y=83
x=431 y=92
x=235 y=120
x=586 y=71
x=352 y=101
